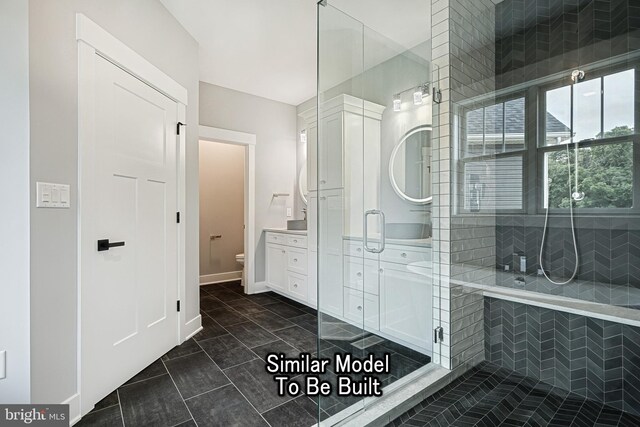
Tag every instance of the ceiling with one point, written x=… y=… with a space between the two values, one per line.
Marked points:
x=268 y=48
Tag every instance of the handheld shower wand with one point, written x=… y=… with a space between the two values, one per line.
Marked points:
x=573 y=228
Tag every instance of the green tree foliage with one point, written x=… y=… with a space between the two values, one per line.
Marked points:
x=605 y=174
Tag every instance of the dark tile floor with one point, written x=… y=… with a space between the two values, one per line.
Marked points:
x=218 y=377
x=492 y=396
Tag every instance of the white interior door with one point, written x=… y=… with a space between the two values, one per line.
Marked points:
x=129 y=195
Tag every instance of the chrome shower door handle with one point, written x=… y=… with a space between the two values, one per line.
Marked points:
x=382 y=233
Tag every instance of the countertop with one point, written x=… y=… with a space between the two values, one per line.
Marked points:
x=285 y=231
x=422 y=243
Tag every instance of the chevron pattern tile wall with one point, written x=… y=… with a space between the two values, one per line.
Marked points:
x=593 y=358
x=608 y=248
x=536 y=38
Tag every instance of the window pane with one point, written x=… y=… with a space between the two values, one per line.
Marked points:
x=493 y=128
x=514 y=123
x=587 y=110
x=558 y=116
x=605 y=175
x=474 y=126
x=618 y=104
x=493 y=184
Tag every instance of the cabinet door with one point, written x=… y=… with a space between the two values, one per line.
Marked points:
x=330 y=253
x=406 y=304
x=276 y=266
x=330 y=152
x=312 y=158
x=312 y=252
x=312 y=221
x=312 y=280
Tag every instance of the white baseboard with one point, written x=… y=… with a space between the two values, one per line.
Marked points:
x=209 y=279
x=192 y=327
x=74 y=408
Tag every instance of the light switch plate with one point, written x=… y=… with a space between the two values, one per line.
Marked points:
x=289 y=213
x=3 y=364
x=50 y=195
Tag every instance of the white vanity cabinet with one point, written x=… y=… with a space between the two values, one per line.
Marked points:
x=276 y=266
x=287 y=265
x=330 y=218
x=337 y=195
x=406 y=299
x=390 y=294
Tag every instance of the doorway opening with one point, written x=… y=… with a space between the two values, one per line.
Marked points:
x=222 y=212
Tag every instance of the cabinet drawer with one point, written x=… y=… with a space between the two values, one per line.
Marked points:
x=401 y=255
x=297 y=241
x=276 y=238
x=297 y=285
x=297 y=260
x=361 y=307
x=361 y=274
x=356 y=248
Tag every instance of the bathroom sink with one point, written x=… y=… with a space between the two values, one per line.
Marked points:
x=297 y=224
x=408 y=230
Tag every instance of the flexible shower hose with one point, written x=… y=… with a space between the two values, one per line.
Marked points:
x=573 y=230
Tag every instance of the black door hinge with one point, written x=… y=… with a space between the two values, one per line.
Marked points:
x=178 y=217
x=178 y=127
x=178 y=305
x=438 y=334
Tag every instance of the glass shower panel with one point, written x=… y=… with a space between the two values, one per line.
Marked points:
x=341 y=259
x=375 y=287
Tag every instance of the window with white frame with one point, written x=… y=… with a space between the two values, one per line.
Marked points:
x=596 y=116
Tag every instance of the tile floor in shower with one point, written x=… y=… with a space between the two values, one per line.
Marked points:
x=491 y=396
x=218 y=378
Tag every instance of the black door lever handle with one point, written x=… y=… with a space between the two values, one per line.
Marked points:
x=104 y=245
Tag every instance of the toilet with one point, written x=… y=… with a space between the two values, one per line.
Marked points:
x=240 y=259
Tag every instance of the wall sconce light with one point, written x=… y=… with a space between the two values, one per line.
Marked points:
x=419 y=93
x=303 y=136
x=397 y=102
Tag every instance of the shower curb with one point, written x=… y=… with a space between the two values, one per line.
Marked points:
x=396 y=403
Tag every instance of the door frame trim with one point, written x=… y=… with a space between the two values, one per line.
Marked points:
x=94 y=40
x=248 y=141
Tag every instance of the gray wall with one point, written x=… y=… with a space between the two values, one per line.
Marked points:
x=14 y=216
x=148 y=28
x=221 y=206
x=274 y=124
x=463 y=60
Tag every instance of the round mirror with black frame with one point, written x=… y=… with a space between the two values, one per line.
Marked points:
x=410 y=166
